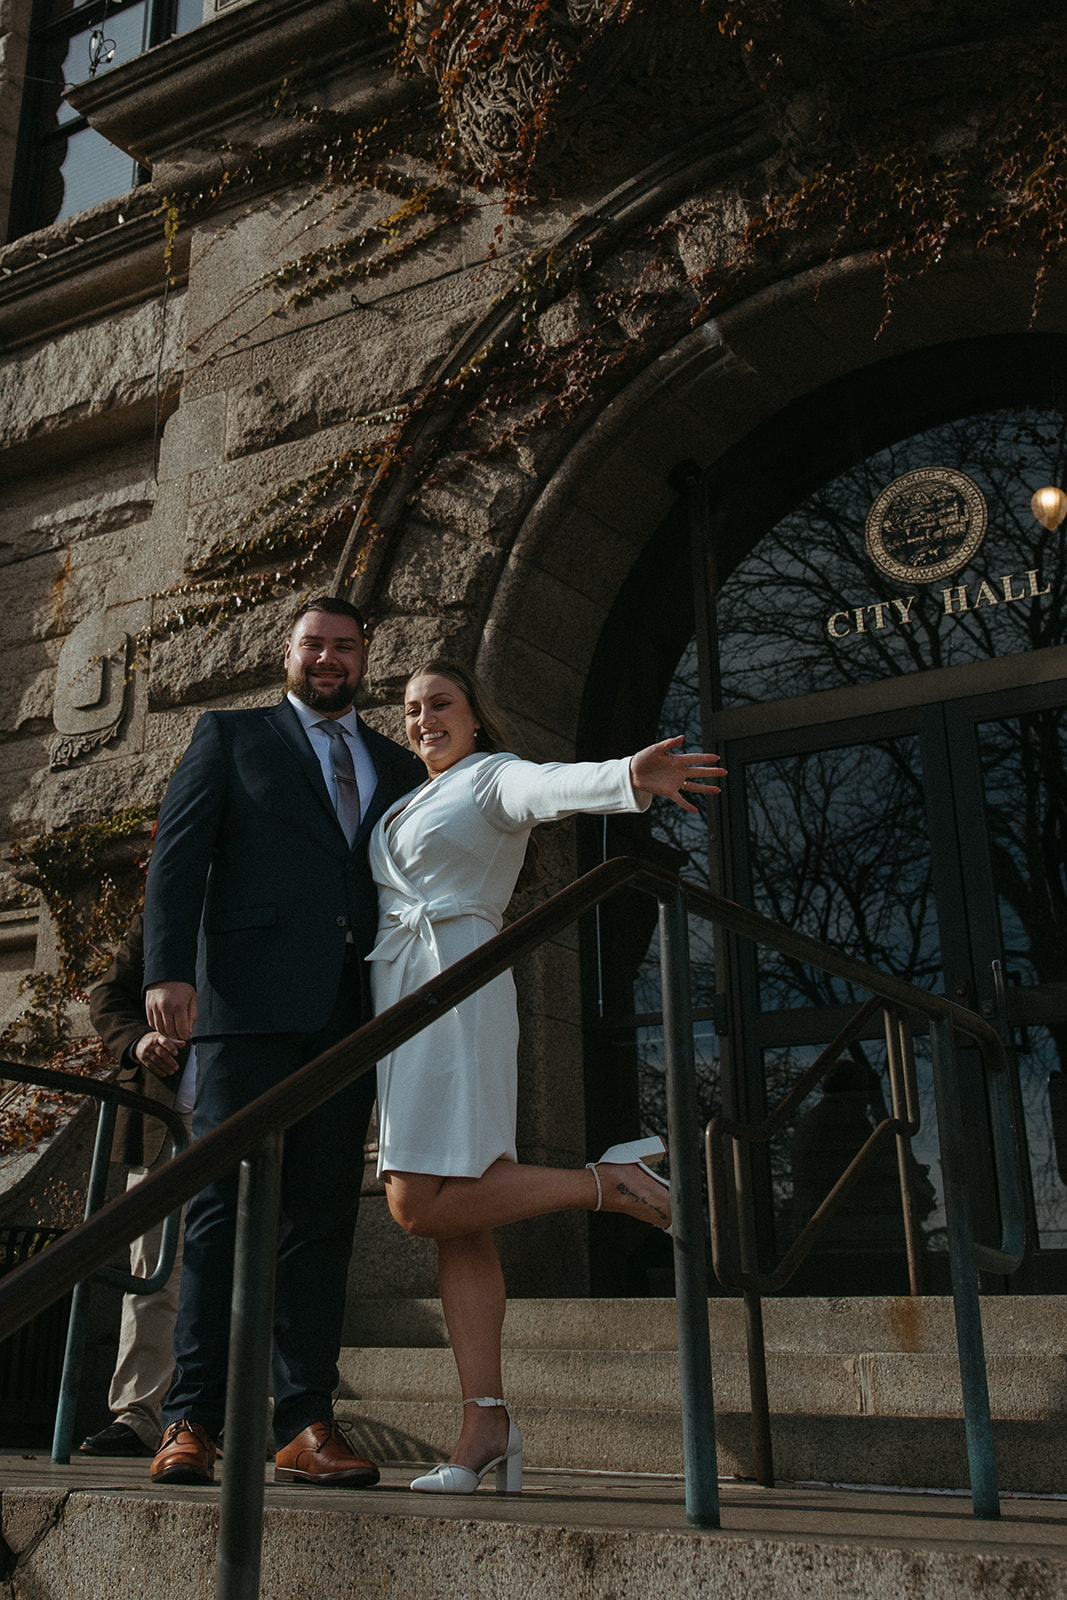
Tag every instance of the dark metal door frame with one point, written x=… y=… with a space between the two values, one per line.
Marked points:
x=964 y=890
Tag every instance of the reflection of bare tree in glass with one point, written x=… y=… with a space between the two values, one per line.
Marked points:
x=775 y=606
x=681 y=714
x=1022 y=761
x=838 y=850
x=652 y=1079
x=1023 y=768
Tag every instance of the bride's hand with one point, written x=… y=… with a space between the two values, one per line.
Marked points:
x=665 y=769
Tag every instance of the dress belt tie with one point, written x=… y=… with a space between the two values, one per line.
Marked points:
x=416 y=919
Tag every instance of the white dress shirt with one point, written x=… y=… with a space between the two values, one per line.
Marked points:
x=366 y=777
x=186 y=1095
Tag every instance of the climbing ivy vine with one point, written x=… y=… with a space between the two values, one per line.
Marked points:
x=90 y=878
x=872 y=153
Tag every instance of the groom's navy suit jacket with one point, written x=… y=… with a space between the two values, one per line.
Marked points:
x=252 y=890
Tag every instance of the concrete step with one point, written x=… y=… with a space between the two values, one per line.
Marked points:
x=92 y=1530
x=1028 y=1386
x=863 y=1391
x=898 y=1452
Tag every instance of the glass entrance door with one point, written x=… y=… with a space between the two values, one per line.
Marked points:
x=931 y=841
x=1008 y=757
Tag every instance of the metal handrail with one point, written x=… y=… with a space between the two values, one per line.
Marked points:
x=113 y=1096
x=1005 y=1257
x=725 y=1242
x=945 y=1019
x=110 y=1096
x=252 y=1136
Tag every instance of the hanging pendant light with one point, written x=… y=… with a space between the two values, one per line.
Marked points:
x=1049 y=506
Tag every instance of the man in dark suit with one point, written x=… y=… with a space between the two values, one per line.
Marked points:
x=160 y=1069
x=259 y=910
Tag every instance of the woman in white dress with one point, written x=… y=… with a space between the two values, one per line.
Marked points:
x=445 y=861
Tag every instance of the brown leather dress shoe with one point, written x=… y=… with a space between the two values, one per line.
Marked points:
x=186 y=1455
x=322 y=1455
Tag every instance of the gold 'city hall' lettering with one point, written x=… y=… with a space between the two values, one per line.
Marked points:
x=855 y=621
x=956 y=599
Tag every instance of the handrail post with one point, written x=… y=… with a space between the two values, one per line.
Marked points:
x=248 y=1375
x=978 y=1421
x=897 y=1047
x=690 y=1271
x=759 y=1397
x=74 y=1350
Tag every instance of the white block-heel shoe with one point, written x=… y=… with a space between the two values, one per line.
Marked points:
x=634 y=1153
x=450 y=1478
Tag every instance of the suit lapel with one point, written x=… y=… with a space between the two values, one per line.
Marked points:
x=283 y=720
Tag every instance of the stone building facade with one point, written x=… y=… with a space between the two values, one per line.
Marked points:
x=163 y=399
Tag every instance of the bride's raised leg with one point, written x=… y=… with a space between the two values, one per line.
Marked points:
x=450 y=1208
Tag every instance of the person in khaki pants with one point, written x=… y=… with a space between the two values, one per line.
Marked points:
x=160 y=1069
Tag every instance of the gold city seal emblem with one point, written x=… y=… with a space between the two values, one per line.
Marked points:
x=926 y=525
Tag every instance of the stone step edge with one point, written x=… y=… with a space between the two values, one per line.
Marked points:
x=356 y=1552
x=1012 y=1323
x=888 y=1451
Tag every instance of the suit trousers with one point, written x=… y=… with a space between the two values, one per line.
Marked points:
x=145 y=1362
x=322 y=1169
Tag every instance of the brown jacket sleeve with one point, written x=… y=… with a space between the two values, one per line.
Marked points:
x=116 y=1010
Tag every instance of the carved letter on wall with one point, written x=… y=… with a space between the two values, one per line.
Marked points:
x=90 y=693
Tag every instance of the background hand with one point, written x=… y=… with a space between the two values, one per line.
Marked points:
x=665 y=769
x=158 y=1053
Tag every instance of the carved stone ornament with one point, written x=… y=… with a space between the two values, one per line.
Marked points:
x=90 y=697
x=926 y=525
x=635 y=83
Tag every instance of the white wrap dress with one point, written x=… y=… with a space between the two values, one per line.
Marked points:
x=445 y=867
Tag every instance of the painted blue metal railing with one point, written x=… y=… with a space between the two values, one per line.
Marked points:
x=111 y=1096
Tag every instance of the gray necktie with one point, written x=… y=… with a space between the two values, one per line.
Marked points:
x=346 y=789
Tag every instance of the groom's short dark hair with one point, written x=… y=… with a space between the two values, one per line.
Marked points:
x=334 y=605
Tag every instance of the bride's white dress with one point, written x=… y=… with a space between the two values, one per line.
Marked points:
x=445 y=866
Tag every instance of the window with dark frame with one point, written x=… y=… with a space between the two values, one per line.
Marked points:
x=64 y=166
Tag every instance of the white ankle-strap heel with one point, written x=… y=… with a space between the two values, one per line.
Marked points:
x=450 y=1478
x=634 y=1153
